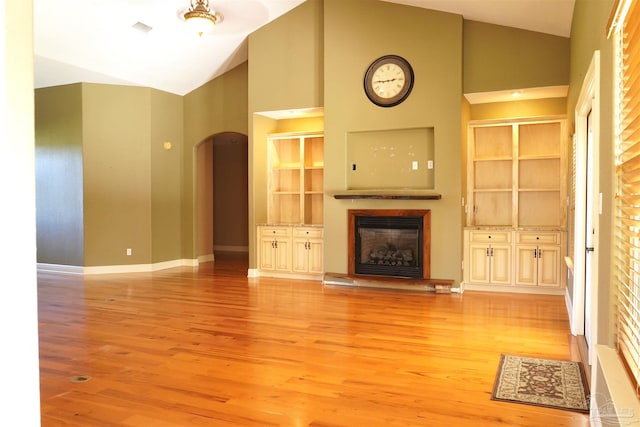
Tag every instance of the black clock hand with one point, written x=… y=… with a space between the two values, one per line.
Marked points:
x=384 y=81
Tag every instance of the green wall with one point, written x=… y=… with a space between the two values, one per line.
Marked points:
x=432 y=42
x=166 y=175
x=436 y=45
x=502 y=58
x=588 y=34
x=285 y=72
x=218 y=106
x=138 y=194
x=59 y=184
x=117 y=174
x=105 y=181
x=285 y=61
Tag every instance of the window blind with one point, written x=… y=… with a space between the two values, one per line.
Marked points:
x=627 y=201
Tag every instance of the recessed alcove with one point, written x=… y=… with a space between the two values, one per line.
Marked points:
x=394 y=159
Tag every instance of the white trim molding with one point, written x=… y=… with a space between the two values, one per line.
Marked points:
x=111 y=269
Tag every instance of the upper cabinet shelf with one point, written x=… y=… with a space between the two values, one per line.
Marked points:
x=517 y=173
x=296 y=178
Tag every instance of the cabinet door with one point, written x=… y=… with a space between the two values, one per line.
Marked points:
x=479 y=263
x=283 y=255
x=267 y=254
x=300 y=256
x=549 y=266
x=316 y=254
x=501 y=264
x=526 y=265
x=307 y=256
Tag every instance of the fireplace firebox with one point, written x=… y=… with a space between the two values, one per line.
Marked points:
x=392 y=243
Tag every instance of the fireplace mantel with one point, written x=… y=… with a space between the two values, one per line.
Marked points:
x=387 y=195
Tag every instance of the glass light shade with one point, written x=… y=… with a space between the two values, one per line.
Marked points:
x=200 y=23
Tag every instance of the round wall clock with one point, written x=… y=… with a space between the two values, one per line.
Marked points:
x=388 y=80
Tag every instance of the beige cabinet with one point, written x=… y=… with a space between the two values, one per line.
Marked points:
x=308 y=250
x=489 y=259
x=538 y=259
x=291 y=244
x=516 y=173
x=275 y=248
x=514 y=260
x=290 y=251
x=296 y=178
x=516 y=187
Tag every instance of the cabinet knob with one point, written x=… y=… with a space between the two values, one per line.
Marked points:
x=538 y=238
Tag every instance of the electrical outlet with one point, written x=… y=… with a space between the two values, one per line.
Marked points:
x=430 y=164
x=414 y=165
x=129 y=251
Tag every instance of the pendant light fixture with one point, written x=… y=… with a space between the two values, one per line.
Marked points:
x=201 y=18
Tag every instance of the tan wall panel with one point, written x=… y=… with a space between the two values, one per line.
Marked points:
x=59 y=189
x=432 y=42
x=166 y=174
x=117 y=174
x=502 y=58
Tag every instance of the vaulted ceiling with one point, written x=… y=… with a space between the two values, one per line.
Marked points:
x=146 y=42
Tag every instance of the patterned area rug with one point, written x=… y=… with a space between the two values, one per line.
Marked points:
x=544 y=382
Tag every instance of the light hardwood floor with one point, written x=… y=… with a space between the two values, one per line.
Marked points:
x=209 y=347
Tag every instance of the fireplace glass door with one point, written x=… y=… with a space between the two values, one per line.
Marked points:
x=389 y=246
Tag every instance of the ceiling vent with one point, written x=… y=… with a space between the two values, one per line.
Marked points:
x=143 y=28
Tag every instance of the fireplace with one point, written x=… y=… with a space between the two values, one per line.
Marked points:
x=392 y=243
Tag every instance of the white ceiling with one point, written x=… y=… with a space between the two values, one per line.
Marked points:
x=94 y=40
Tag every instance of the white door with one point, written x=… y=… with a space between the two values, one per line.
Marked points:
x=589 y=232
x=587 y=204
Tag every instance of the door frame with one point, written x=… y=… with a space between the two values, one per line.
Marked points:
x=588 y=102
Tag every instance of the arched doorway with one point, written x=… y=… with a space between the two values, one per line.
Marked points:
x=222 y=195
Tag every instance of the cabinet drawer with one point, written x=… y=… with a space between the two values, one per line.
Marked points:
x=535 y=238
x=275 y=231
x=310 y=233
x=490 y=236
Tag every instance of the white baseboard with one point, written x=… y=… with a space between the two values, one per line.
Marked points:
x=206 y=258
x=59 y=268
x=569 y=304
x=110 y=269
x=253 y=272
x=537 y=290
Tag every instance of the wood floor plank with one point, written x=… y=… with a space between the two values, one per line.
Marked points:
x=209 y=346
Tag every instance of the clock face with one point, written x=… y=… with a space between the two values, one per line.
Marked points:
x=388 y=80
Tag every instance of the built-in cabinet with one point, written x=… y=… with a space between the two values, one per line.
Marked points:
x=490 y=257
x=296 y=178
x=307 y=250
x=291 y=243
x=538 y=259
x=275 y=248
x=289 y=250
x=516 y=205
